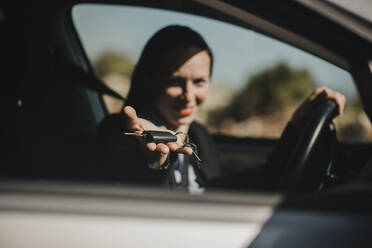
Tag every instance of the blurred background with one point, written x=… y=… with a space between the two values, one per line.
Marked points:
x=257 y=82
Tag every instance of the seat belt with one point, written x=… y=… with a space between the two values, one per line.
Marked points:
x=73 y=73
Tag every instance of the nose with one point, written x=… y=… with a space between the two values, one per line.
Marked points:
x=188 y=91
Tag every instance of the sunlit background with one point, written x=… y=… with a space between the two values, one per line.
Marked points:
x=257 y=81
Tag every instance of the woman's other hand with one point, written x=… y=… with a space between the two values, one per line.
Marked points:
x=319 y=95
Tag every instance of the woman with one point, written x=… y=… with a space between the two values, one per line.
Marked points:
x=170 y=82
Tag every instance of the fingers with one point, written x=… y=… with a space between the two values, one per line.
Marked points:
x=185 y=150
x=133 y=122
x=341 y=102
x=151 y=146
x=175 y=147
x=325 y=93
x=316 y=94
x=162 y=148
x=166 y=148
x=319 y=95
x=338 y=98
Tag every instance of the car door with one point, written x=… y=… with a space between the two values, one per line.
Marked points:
x=50 y=128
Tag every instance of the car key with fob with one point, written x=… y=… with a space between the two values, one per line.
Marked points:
x=155 y=136
x=166 y=137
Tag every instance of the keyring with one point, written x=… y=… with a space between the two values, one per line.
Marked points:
x=186 y=141
x=193 y=147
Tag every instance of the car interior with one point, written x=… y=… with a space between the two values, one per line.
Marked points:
x=60 y=188
x=53 y=98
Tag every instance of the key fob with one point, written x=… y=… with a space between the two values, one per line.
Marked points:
x=158 y=136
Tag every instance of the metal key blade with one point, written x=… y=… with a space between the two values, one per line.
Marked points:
x=196 y=157
x=194 y=153
x=133 y=134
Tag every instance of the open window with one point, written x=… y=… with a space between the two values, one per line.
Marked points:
x=257 y=81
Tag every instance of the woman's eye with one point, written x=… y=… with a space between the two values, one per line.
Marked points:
x=200 y=81
x=174 y=82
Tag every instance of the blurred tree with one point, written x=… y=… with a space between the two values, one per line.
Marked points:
x=111 y=62
x=266 y=93
x=351 y=126
x=115 y=71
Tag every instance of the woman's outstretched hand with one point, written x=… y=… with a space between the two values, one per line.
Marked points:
x=156 y=153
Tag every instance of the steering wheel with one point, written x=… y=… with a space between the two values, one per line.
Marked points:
x=296 y=170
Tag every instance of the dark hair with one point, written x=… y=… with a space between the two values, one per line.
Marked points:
x=154 y=62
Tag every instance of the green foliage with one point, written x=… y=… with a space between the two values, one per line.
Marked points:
x=266 y=93
x=354 y=104
x=111 y=62
x=352 y=132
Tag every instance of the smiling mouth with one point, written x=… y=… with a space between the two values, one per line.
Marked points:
x=186 y=111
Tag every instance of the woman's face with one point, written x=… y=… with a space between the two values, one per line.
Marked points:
x=185 y=90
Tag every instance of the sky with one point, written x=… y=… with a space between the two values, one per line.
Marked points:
x=239 y=53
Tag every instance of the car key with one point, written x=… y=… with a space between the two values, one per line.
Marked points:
x=194 y=153
x=155 y=136
x=166 y=137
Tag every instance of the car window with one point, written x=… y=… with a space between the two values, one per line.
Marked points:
x=257 y=81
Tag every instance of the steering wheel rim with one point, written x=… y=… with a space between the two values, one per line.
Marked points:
x=320 y=118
